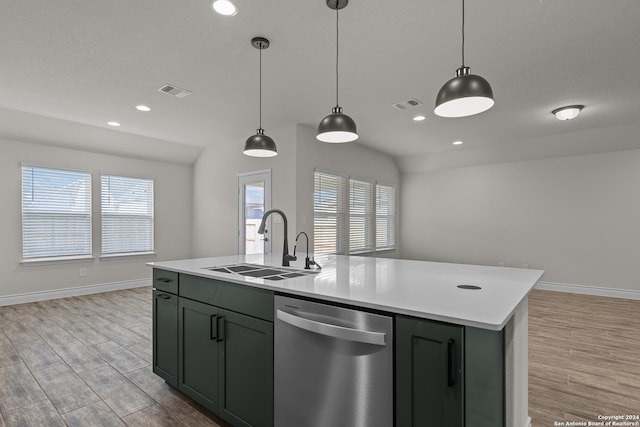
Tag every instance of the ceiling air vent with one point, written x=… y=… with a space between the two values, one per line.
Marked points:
x=174 y=90
x=412 y=103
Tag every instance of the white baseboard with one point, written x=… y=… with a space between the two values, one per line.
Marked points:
x=589 y=290
x=528 y=423
x=72 y=292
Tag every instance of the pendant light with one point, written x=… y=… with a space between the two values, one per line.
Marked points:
x=466 y=94
x=337 y=127
x=260 y=145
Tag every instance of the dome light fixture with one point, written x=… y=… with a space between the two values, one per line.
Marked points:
x=567 y=113
x=224 y=7
x=457 y=142
x=337 y=127
x=114 y=124
x=143 y=108
x=419 y=118
x=466 y=94
x=260 y=145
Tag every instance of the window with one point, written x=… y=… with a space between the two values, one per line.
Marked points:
x=329 y=213
x=351 y=215
x=360 y=216
x=56 y=213
x=127 y=215
x=385 y=217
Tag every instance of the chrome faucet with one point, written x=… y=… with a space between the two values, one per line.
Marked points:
x=285 y=246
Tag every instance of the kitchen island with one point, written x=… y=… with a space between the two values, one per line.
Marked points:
x=487 y=306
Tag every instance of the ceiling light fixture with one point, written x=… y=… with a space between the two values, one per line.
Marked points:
x=567 y=113
x=419 y=118
x=466 y=94
x=114 y=124
x=260 y=145
x=457 y=142
x=224 y=7
x=142 y=108
x=337 y=127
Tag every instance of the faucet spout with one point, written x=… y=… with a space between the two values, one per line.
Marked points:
x=285 y=246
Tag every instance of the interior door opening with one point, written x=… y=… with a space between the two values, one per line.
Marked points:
x=254 y=199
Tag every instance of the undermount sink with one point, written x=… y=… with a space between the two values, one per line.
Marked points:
x=262 y=271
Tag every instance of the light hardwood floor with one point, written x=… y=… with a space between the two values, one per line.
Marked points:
x=584 y=357
x=86 y=361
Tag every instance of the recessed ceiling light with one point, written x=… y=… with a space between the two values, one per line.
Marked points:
x=568 y=112
x=224 y=7
x=142 y=108
x=419 y=118
x=457 y=142
x=114 y=124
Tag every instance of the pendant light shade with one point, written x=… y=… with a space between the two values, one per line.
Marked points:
x=337 y=127
x=466 y=94
x=260 y=145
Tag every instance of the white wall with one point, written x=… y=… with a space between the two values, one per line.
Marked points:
x=215 y=214
x=576 y=217
x=215 y=196
x=352 y=159
x=173 y=208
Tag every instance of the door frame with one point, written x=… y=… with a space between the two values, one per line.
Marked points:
x=247 y=178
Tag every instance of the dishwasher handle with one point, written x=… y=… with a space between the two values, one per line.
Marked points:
x=335 y=331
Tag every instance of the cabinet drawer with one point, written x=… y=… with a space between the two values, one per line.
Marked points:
x=164 y=280
x=240 y=298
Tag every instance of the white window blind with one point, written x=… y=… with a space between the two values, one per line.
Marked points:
x=56 y=213
x=127 y=214
x=360 y=216
x=329 y=213
x=385 y=217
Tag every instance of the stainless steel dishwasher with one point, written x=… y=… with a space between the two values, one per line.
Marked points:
x=333 y=366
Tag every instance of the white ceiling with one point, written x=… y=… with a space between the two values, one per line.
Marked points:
x=86 y=62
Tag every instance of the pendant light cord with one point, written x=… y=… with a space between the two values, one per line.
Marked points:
x=260 y=91
x=463 y=33
x=337 y=55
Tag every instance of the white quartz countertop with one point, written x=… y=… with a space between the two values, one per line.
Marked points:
x=415 y=288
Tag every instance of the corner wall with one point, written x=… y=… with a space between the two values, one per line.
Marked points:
x=173 y=201
x=575 y=217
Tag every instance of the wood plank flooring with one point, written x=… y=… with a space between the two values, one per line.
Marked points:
x=584 y=357
x=86 y=361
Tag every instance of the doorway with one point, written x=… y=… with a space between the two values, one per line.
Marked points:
x=254 y=199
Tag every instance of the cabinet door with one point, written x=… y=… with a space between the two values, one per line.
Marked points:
x=429 y=382
x=198 y=352
x=165 y=336
x=246 y=370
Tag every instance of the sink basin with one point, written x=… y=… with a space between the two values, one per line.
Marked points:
x=262 y=271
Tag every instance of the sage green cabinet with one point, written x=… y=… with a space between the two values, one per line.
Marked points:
x=198 y=352
x=165 y=336
x=429 y=380
x=245 y=370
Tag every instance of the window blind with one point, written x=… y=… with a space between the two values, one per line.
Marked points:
x=360 y=216
x=329 y=213
x=127 y=214
x=385 y=217
x=56 y=213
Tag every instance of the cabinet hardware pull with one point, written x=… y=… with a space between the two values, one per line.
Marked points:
x=220 y=328
x=164 y=280
x=451 y=353
x=213 y=328
x=164 y=296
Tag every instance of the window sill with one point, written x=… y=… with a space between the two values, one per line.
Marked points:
x=58 y=259
x=127 y=255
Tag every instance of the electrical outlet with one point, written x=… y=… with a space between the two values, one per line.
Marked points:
x=83 y=272
x=501 y=264
x=525 y=265
x=277 y=219
x=303 y=219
